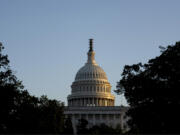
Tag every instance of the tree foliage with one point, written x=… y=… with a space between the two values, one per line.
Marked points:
x=103 y=129
x=10 y=87
x=82 y=128
x=22 y=113
x=68 y=127
x=152 y=91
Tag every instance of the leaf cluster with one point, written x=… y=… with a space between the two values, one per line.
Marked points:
x=152 y=91
x=102 y=129
x=21 y=112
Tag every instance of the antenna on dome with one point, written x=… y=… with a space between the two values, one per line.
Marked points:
x=91 y=45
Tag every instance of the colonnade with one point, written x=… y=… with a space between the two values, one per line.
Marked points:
x=93 y=88
x=90 y=102
x=96 y=119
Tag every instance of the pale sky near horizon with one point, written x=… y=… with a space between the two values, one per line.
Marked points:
x=47 y=40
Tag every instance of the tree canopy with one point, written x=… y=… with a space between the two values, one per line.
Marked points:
x=23 y=113
x=152 y=91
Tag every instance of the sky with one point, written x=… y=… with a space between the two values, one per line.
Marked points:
x=47 y=40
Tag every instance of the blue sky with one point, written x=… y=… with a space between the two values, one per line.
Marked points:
x=47 y=40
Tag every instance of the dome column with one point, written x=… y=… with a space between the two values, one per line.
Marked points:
x=104 y=102
x=93 y=102
x=100 y=102
x=88 y=101
x=96 y=102
x=110 y=102
x=83 y=101
x=75 y=102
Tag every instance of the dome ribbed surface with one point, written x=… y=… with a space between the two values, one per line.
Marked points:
x=90 y=72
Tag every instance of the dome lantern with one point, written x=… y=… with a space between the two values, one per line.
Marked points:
x=91 y=45
x=91 y=53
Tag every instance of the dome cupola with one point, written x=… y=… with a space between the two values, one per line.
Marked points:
x=91 y=70
x=91 y=86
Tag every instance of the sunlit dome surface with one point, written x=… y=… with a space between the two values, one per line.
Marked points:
x=90 y=71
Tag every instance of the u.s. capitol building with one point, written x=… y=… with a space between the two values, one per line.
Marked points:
x=91 y=97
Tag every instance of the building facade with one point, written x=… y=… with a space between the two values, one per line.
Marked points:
x=91 y=97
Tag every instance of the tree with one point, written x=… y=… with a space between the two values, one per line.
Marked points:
x=10 y=87
x=104 y=129
x=51 y=118
x=22 y=113
x=152 y=91
x=82 y=126
x=68 y=127
x=27 y=114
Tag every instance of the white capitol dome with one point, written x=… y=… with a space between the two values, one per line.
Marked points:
x=91 y=71
x=91 y=86
x=91 y=97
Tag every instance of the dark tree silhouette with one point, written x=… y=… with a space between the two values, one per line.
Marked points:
x=22 y=113
x=10 y=87
x=82 y=126
x=152 y=91
x=103 y=129
x=68 y=128
x=51 y=119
